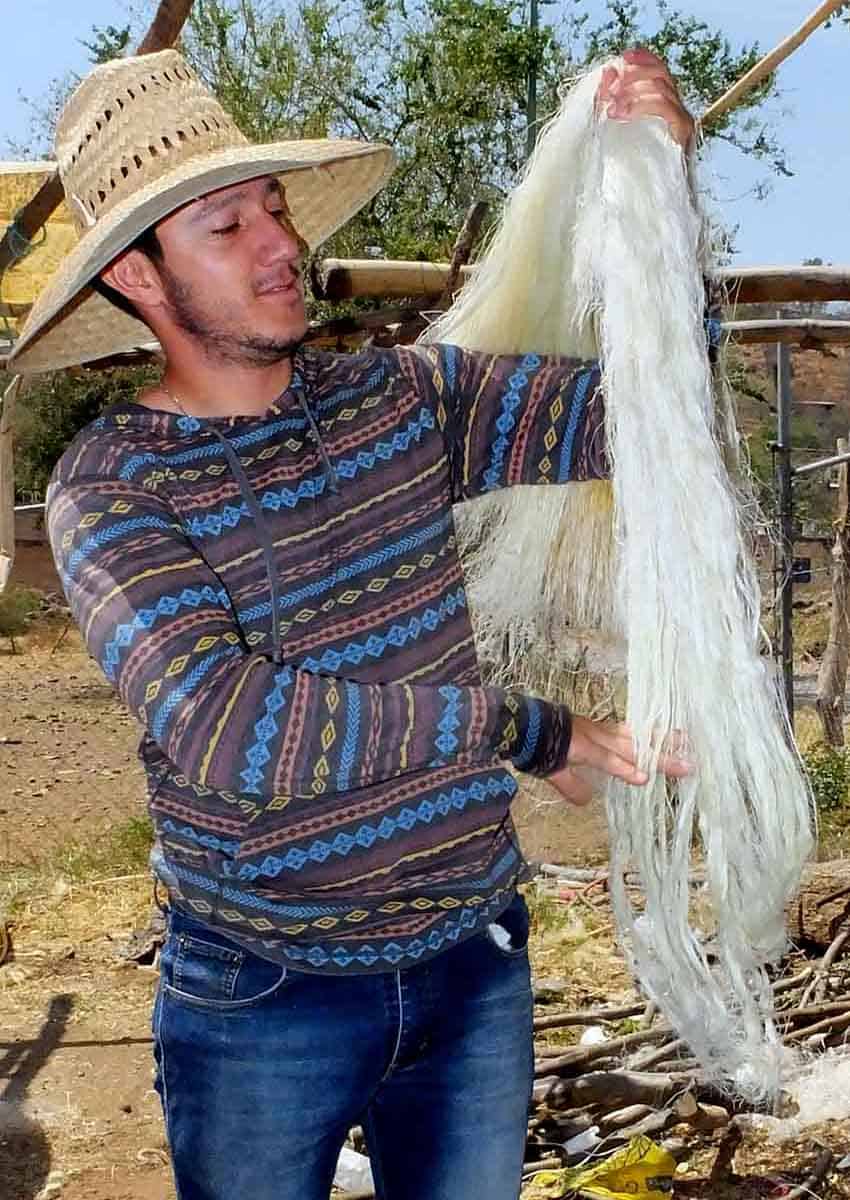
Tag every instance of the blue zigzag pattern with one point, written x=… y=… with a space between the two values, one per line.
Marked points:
x=376 y=559
x=425 y=812
x=347 y=468
x=146 y=618
x=211 y=449
x=265 y=729
x=532 y=733
x=375 y=646
x=352 y=730
x=187 y=687
x=506 y=420
x=111 y=534
x=398 y=636
x=447 y=932
x=579 y=400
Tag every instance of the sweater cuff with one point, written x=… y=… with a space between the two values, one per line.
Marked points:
x=533 y=734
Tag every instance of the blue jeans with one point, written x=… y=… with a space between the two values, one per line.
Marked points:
x=263 y=1069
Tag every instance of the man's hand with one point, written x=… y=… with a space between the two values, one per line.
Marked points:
x=602 y=747
x=645 y=88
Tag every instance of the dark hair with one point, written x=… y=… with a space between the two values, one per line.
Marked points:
x=148 y=243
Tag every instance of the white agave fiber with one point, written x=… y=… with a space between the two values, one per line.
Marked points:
x=605 y=217
x=528 y=569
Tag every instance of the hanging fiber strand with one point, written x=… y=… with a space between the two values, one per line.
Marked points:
x=601 y=244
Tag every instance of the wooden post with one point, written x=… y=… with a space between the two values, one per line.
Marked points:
x=7 y=481
x=832 y=677
x=165 y=28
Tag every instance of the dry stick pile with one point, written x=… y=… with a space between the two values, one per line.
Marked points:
x=642 y=1081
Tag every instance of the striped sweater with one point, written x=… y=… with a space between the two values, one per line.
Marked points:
x=280 y=602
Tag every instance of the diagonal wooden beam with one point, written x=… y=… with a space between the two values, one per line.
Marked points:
x=767 y=65
x=170 y=17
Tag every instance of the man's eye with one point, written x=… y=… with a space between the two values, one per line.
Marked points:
x=225 y=229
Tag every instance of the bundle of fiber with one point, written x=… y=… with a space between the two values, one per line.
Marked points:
x=604 y=243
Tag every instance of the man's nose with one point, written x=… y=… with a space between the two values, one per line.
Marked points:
x=279 y=240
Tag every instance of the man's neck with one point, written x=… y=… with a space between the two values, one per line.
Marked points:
x=223 y=390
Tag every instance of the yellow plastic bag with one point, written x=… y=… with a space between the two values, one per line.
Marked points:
x=639 y=1171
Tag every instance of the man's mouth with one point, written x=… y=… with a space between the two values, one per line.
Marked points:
x=281 y=287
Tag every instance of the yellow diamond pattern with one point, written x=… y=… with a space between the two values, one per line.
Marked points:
x=90 y=519
x=306 y=614
x=392 y=906
x=426 y=560
x=120 y=506
x=254 y=636
x=405 y=571
x=152 y=690
x=191 y=474
x=263 y=924
x=550 y=439
x=449 y=902
x=349 y=597
x=328 y=739
x=556 y=408
x=377 y=585
x=422 y=903
x=326 y=922
x=356 y=914
x=177 y=666
x=333 y=698
x=204 y=643
x=546 y=465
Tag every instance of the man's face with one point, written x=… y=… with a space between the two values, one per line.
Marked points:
x=231 y=273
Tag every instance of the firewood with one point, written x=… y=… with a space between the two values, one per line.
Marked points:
x=588 y=1016
x=581 y=1056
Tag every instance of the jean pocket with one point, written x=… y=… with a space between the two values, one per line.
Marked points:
x=207 y=975
x=508 y=934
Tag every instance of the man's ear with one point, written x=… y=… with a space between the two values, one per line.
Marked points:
x=135 y=277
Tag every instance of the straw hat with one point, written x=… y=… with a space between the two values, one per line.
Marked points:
x=139 y=138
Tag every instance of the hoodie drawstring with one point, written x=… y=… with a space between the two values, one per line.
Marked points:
x=264 y=536
x=263 y=532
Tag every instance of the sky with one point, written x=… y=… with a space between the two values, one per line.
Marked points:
x=803 y=217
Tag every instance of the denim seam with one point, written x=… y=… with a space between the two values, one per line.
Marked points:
x=160 y=1037
x=397 y=1046
x=223 y=1006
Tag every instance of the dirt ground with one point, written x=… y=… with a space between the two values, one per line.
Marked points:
x=78 y=1116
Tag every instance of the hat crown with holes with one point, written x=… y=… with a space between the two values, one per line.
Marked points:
x=139 y=138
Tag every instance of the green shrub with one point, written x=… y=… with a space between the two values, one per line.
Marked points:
x=17 y=607
x=829 y=775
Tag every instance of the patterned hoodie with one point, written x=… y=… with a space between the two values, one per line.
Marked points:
x=280 y=602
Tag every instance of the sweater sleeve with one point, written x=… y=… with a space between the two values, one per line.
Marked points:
x=516 y=419
x=159 y=622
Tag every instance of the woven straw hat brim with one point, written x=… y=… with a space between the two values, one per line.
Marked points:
x=326 y=181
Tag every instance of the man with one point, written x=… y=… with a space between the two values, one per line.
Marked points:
x=260 y=554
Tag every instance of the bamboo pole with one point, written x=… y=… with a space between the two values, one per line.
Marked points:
x=345 y=278
x=164 y=30
x=767 y=65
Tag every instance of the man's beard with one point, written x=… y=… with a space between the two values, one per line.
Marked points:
x=223 y=345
